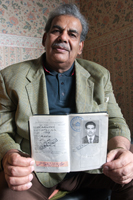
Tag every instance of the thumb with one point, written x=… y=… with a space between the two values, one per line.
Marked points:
x=112 y=155
x=16 y=159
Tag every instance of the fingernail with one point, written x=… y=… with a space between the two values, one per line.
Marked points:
x=32 y=168
x=30 y=177
x=106 y=168
x=29 y=185
x=32 y=162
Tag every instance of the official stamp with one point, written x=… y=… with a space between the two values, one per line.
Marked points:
x=76 y=123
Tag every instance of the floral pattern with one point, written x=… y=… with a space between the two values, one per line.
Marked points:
x=26 y=17
x=106 y=15
x=22 y=27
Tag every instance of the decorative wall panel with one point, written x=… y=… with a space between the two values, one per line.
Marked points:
x=15 y=49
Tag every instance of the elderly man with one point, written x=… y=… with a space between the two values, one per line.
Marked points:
x=58 y=83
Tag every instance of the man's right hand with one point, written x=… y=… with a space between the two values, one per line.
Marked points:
x=18 y=170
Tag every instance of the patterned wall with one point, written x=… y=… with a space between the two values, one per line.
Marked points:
x=21 y=28
x=110 y=43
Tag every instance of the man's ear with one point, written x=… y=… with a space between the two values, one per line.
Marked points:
x=81 y=45
x=44 y=39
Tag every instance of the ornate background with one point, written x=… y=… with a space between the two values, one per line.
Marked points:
x=21 y=28
x=109 y=41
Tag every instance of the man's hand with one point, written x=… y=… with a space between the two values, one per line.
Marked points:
x=18 y=170
x=119 y=166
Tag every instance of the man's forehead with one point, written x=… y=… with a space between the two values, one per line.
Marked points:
x=68 y=21
x=90 y=126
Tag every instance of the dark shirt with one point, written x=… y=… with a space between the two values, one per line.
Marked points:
x=60 y=90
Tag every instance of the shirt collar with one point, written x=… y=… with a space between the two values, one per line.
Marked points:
x=90 y=137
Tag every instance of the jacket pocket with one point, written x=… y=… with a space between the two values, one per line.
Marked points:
x=100 y=107
x=103 y=106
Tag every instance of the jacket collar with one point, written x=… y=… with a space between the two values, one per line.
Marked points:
x=36 y=88
x=37 y=92
x=84 y=89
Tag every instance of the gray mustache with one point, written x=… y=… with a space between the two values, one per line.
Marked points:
x=62 y=45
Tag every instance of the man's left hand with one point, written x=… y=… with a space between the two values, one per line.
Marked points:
x=119 y=166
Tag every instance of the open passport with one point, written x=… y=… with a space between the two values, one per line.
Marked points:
x=60 y=143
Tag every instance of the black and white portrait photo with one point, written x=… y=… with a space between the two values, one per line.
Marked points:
x=91 y=133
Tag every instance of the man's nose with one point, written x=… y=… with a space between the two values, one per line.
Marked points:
x=63 y=37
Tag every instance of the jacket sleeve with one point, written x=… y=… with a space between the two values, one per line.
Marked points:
x=7 y=122
x=117 y=123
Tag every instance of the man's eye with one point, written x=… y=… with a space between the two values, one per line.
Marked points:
x=72 y=35
x=55 y=31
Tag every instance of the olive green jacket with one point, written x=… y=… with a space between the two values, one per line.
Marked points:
x=23 y=93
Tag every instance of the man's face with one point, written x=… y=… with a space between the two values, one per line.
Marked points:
x=62 y=42
x=91 y=129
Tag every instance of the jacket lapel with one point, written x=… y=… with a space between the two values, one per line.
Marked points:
x=36 y=89
x=37 y=92
x=84 y=90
